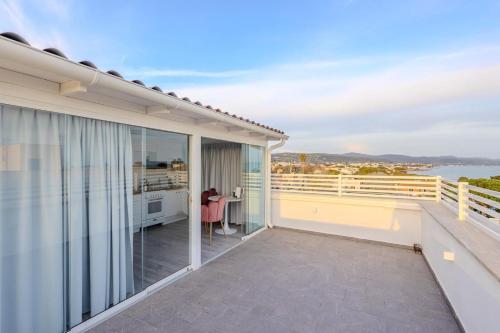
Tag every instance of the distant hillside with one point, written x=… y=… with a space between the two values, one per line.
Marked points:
x=388 y=158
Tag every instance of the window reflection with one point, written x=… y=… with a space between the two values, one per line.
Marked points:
x=162 y=227
x=92 y=212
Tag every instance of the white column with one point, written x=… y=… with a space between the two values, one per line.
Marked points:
x=267 y=188
x=195 y=199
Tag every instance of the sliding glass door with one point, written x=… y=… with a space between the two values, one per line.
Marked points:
x=253 y=179
x=91 y=212
x=164 y=224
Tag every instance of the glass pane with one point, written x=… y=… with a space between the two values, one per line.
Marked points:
x=253 y=177
x=165 y=224
x=66 y=219
x=31 y=221
x=88 y=215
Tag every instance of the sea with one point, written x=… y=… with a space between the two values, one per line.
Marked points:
x=453 y=172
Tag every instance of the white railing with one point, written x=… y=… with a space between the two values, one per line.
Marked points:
x=481 y=205
x=304 y=183
x=469 y=202
x=472 y=203
x=404 y=187
x=449 y=193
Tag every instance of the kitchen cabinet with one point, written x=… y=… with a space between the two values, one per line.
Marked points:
x=177 y=205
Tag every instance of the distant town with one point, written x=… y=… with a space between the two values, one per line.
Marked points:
x=363 y=164
x=365 y=168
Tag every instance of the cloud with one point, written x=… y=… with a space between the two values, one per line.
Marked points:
x=153 y=72
x=465 y=139
x=14 y=14
x=424 y=104
x=26 y=18
x=61 y=9
x=248 y=74
x=321 y=89
x=379 y=103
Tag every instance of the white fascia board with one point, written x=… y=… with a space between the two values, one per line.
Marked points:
x=236 y=129
x=157 y=109
x=255 y=134
x=205 y=121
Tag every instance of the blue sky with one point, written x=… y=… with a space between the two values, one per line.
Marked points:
x=413 y=77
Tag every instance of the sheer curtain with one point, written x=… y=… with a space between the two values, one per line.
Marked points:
x=99 y=214
x=221 y=169
x=66 y=218
x=31 y=223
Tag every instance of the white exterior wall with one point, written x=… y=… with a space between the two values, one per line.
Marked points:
x=384 y=220
x=30 y=92
x=473 y=291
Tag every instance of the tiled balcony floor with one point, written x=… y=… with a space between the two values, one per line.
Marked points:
x=288 y=281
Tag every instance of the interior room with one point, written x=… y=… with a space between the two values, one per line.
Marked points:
x=232 y=197
x=222 y=196
x=160 y=205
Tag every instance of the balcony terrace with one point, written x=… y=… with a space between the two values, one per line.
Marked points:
x=291 y=281
x=340 y=259
x=318 y=253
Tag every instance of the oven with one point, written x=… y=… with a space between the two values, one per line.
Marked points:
x=155 y=205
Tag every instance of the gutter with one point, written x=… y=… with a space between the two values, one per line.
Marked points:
x=281 y=143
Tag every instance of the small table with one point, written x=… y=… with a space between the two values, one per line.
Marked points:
x=227 y=230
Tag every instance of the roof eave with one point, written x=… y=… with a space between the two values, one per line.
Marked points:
x=39 y=63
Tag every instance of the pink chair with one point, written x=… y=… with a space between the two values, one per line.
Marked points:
x=204 y=198
x=213 y=213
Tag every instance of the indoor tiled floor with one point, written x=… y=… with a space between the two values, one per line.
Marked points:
x=289 y=281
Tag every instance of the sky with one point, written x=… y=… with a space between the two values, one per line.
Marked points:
x=408 y=77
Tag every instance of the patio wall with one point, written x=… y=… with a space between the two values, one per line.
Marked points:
x=385 y=220
x=472 y=290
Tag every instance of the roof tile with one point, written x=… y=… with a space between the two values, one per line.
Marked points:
x=15 y=37
x=115 y=73
x=88 y=64
x=139 y=82
x=56 y=52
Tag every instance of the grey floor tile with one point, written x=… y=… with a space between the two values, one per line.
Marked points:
x=289 y=281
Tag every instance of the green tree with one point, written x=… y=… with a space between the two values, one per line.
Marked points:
x=490 y=184
x=367 y=170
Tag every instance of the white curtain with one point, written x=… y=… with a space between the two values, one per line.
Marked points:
x=66 y=219
x=99 y=216
x=31 y=225
x=221 y=169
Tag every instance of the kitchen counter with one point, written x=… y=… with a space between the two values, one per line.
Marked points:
x=162 y=188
